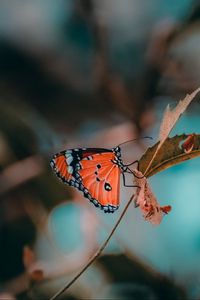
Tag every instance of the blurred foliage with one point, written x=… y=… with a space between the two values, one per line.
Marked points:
x=67 y=71
x=125 y=270
x=13 y=236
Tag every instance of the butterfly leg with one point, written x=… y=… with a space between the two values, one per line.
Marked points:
x=134 y=162
x=126 y=185
x=130 y=171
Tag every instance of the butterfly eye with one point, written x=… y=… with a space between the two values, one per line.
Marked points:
x=107 y=186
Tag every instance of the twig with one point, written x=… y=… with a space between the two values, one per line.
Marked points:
x=95 y=256
x=152 y=160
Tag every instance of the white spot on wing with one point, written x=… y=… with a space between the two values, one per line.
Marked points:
x=69 y=159
x=69 y=151
x=70 y=170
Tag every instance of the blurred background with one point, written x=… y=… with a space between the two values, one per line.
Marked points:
x=89 y=73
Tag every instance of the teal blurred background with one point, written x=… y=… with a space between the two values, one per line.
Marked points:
x=88 y=73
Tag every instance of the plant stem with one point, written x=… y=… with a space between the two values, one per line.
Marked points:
x=95 y=256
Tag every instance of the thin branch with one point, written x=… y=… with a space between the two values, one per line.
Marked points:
x=95 y=256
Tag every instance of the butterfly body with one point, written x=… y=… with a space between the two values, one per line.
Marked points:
x=94 y=171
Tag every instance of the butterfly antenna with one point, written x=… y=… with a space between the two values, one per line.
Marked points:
x=135 y=161
x=145 y=137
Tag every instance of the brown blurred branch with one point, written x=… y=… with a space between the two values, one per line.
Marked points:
x=20 y=172
x=133 y=103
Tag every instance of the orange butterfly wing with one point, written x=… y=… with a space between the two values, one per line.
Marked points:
x=61 y=165
x=101 y=178
x=94 y=171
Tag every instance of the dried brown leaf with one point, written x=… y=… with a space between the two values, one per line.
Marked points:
x=173 y=151
x=171 y=116
x=37 y=275
x=170 y=119
x=28 y=256
x=146 y=200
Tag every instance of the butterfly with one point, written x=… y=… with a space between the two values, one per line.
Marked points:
x=95 y=172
